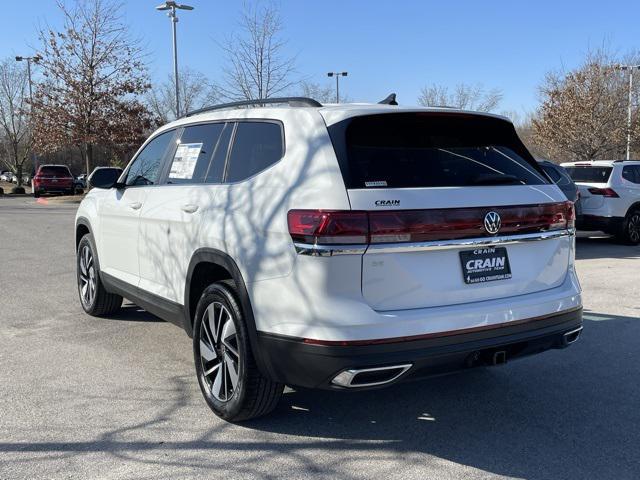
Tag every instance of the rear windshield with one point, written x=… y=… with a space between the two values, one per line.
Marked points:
x=408 y=150
x=55 y=171
x=590 y=174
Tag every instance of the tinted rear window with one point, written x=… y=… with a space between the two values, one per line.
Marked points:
x=55 y=171
x=406 y=150
x=589 y=174
x=257 y=145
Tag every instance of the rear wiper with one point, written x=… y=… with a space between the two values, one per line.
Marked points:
x=495 y=179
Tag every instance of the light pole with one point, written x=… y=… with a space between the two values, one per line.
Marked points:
x=34 y=59
x=631 y=68
x=337 y=75
x=172 y=7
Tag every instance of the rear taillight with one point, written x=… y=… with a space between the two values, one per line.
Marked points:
x=37 y=180
x=605 y=192
x=328 y=227
x=320 y=227
x=563 y=217
x=424 y=225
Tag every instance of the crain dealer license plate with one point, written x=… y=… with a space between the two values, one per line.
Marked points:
x=485 y=264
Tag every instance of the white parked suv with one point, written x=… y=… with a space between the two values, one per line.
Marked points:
x=337 y=247
x=610 y=196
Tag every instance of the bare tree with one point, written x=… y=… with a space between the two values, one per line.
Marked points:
x=583 y=111
x=463 y=96
x=93 y=76
x=14 y=116
x=257 y=65
x=523 y=121
x=323 y=94
x=196 y=91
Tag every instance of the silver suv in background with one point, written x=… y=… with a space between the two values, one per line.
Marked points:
x=610 y=196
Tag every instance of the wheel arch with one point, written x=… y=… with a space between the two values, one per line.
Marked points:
x=634 y=206
x=82 y=228
x=209 y=265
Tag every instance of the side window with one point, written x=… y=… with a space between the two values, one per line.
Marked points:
x=192 y=157
x=216 y=169
x=565 y=179
x=553 y=173
x=257 y=145
x=145 y=169
x=631 y=173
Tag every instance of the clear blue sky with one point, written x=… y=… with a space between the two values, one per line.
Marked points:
x=385 y=45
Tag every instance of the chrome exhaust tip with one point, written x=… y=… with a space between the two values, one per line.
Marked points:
x=370 y=377
x=571 y=336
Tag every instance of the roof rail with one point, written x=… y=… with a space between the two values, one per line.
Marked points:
x=291 y=101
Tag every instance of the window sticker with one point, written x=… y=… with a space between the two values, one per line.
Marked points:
x=184 y=161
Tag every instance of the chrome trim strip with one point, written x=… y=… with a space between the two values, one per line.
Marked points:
x=345 y=378
x=468 y=242
x=331 y=250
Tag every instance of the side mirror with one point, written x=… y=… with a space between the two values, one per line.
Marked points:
x=105 y=178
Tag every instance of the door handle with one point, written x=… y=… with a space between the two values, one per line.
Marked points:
x=135 y=205
x=189 y=208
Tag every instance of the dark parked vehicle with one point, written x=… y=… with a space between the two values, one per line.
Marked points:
x=561 y=178
x=52 y=179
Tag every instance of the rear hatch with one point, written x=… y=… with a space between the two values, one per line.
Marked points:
x=591 y=181
x=54 y=177
x=429 y=183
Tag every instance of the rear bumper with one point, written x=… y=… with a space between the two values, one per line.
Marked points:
x=53 y=188
x=599 y=223
x=291 y=361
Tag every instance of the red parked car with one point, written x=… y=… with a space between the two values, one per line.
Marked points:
x=53 y=179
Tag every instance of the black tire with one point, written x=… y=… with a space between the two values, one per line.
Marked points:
x=253 y=395
x=96 y=300
x=630 y=230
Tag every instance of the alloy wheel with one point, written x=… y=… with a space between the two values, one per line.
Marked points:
x=87 y=276
x=219 y=351
x=634 y=228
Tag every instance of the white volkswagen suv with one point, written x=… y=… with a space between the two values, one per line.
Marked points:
x=338 y=247
x=610 y=196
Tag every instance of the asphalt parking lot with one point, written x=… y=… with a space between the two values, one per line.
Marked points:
x=83 y=397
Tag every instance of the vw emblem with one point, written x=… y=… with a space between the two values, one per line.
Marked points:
x=492 y=222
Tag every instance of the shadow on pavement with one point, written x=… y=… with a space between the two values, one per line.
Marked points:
x=563 y=414
x=133 y=313
x=603 y=246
